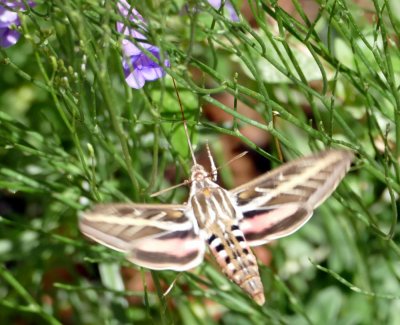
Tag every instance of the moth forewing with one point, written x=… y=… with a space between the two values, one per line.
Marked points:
x=154 y=236
x=334 y=170
x=278 y=203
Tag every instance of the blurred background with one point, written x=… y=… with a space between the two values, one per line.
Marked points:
x=279 y=79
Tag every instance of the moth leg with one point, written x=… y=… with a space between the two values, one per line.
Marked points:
x=172 y=285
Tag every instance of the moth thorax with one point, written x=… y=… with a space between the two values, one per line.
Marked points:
x=238 y=262
x=211 y=204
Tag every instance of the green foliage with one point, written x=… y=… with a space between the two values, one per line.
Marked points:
x=73 y=133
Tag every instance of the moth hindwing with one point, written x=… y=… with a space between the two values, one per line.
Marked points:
x=274 y=205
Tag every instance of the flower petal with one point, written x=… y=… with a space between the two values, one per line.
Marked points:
x=138 y=67
x=8 y=17
x=216 y=4
x=8 y=37
x=125 y=9
x=232 y=12
x=135 y=79
x=130 y=49
x=151 y=74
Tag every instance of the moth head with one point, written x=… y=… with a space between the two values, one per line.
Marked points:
x=198 y=173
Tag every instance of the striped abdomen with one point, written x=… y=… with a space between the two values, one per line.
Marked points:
x=237 y=261
x=215 y=214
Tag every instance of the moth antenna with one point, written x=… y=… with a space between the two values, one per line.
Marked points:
x=185 y=124
x=214 y=174
x=186 y=182
x=232 y=160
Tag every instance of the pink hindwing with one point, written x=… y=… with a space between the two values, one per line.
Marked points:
x=279 y=202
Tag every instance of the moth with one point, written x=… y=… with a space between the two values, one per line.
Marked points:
x=174 y=237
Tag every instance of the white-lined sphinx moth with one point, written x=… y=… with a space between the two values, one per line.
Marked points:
x=174 y=237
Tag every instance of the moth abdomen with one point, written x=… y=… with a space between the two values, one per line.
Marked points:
x=254 y=288
x=237 y=262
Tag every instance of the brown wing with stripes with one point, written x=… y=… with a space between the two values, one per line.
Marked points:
x=157 y=237
x=278 y=203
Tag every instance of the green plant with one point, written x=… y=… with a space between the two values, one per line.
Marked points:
x=73 y=133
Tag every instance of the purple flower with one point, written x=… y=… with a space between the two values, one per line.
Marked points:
x=216 y=4
x=138 y=66
x=8 y=36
